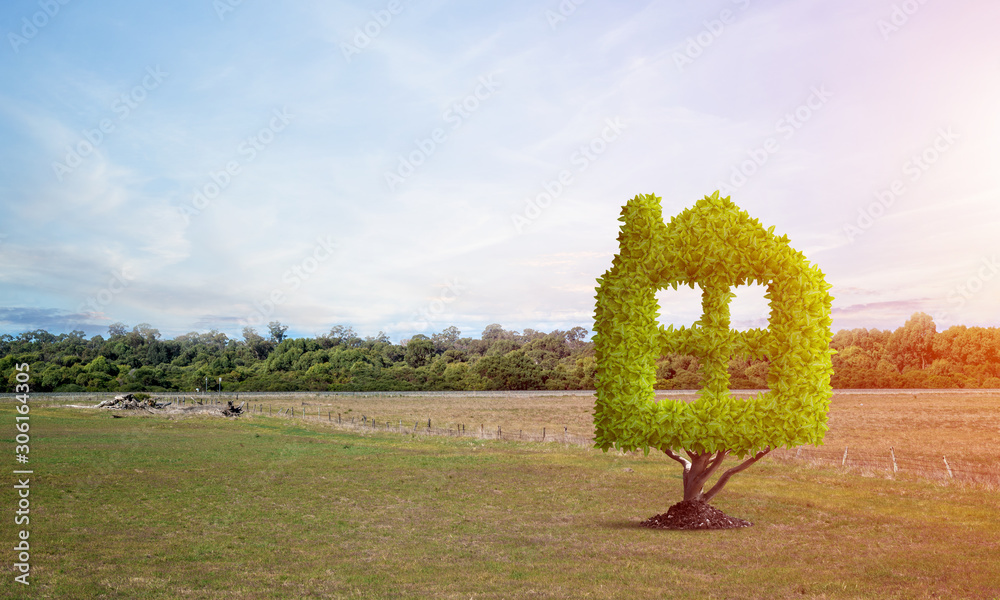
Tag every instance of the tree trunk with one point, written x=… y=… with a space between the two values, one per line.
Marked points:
x=699 y=467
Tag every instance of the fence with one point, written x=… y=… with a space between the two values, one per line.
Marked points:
x=890 y=464
x=365 y=423
x=887 y=463
x=869 y=463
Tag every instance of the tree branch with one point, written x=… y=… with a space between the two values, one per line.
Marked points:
x=725 y=476
x=701 y=471
x=684 y=462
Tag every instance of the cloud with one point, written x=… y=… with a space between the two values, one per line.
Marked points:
x=53 y=320
x=857 y=315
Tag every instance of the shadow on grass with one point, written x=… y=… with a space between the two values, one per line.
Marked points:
x=636 y=525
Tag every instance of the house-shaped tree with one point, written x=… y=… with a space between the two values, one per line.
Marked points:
x=716 y=246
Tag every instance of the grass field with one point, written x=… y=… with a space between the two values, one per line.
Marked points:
x=961 y=424
x=922 y=427
x=200 y=507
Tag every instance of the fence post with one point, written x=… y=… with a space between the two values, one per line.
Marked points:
x=843 y=462
x=543 y=434
x=950 y=476
x=892 y=453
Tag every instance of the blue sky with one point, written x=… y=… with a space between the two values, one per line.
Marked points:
x=404 y=166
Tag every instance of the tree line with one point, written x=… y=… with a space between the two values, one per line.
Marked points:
x=138 y=359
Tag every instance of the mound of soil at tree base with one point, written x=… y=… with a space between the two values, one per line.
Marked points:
x=690 y=514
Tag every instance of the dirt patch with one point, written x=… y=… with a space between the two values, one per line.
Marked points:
x=694 y=515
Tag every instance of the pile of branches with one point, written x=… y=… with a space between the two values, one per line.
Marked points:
x=130 y=402
x=233 y=411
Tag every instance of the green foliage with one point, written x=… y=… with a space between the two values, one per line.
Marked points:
x=714 y=245
x=138 y=360
x=512 y=371
x=917 y=356
x=419 y=351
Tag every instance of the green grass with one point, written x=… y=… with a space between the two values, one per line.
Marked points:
x=149 y=507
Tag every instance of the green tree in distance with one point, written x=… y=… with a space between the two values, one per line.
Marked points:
x=912 y=345
x=277 y=331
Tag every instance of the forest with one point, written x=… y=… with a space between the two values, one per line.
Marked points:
x=915 y=355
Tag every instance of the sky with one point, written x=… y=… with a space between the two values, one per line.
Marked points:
x=405 y=166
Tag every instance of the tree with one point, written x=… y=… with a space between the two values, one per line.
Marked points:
x=117 y=330
x=419 y=350
x=446 y=339
x=912 y=345
x=715 y=245
x=147 y=332
x=512 y=371
x=256 y=343
x=494 y=331
x=277 y=331
x=576 y=336
x=341 y=335
x=381 y=338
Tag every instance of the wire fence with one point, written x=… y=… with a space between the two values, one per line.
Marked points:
x=887 y=463
x=891 y=464
x=865 y=462
x=481 y=431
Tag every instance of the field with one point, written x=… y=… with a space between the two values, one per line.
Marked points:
x=274 y=507
x=923 y=428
